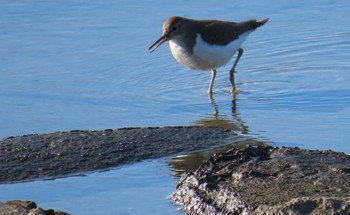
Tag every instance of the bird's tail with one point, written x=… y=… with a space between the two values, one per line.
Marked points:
x=254 y=24
x=261 y=22
x=251 y=25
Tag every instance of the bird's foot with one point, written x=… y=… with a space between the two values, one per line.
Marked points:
x=234 y=91
x=210 y=93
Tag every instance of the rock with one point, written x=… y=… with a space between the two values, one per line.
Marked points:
x=64 y=153
x=18 y=207
x=268 y=180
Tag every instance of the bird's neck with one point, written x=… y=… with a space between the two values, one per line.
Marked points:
x=187 y=40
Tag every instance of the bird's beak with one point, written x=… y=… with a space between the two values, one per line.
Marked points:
x=159 y=42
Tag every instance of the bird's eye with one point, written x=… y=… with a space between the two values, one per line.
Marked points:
x=174 y=28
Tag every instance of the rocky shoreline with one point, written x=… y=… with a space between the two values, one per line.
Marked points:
x=18 y=207
x=254 y=178
x=268 y=180
x=60 y=154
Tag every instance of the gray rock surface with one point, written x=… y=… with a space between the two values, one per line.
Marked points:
x=18 y=207
x=267 y=180
x=246 y=180
x=63 y=153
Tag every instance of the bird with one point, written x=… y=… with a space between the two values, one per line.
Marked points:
x=206 y=44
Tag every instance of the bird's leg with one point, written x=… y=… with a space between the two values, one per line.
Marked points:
x=232 y=79
x=233 y=70
x=213 y=75
x=215 y=106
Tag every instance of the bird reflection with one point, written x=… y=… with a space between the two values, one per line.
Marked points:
x=216 y=119
x=190 y=162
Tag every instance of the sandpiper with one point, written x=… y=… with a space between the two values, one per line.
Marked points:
x=206 y=44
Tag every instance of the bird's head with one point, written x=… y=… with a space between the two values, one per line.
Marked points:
x=172 y=27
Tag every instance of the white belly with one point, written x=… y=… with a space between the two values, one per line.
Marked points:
x=206 y=56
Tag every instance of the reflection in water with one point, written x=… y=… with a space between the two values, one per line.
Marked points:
x=296 y=78
x=235 y=124
x=190 y=162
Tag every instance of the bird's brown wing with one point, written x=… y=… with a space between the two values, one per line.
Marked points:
x=222 y=33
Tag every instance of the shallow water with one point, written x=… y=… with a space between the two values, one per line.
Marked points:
x=118 y=191
x=76 y=65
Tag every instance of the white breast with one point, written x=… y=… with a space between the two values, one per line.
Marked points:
x=206 y=56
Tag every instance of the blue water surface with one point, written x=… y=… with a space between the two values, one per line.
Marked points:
x=85 y=65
